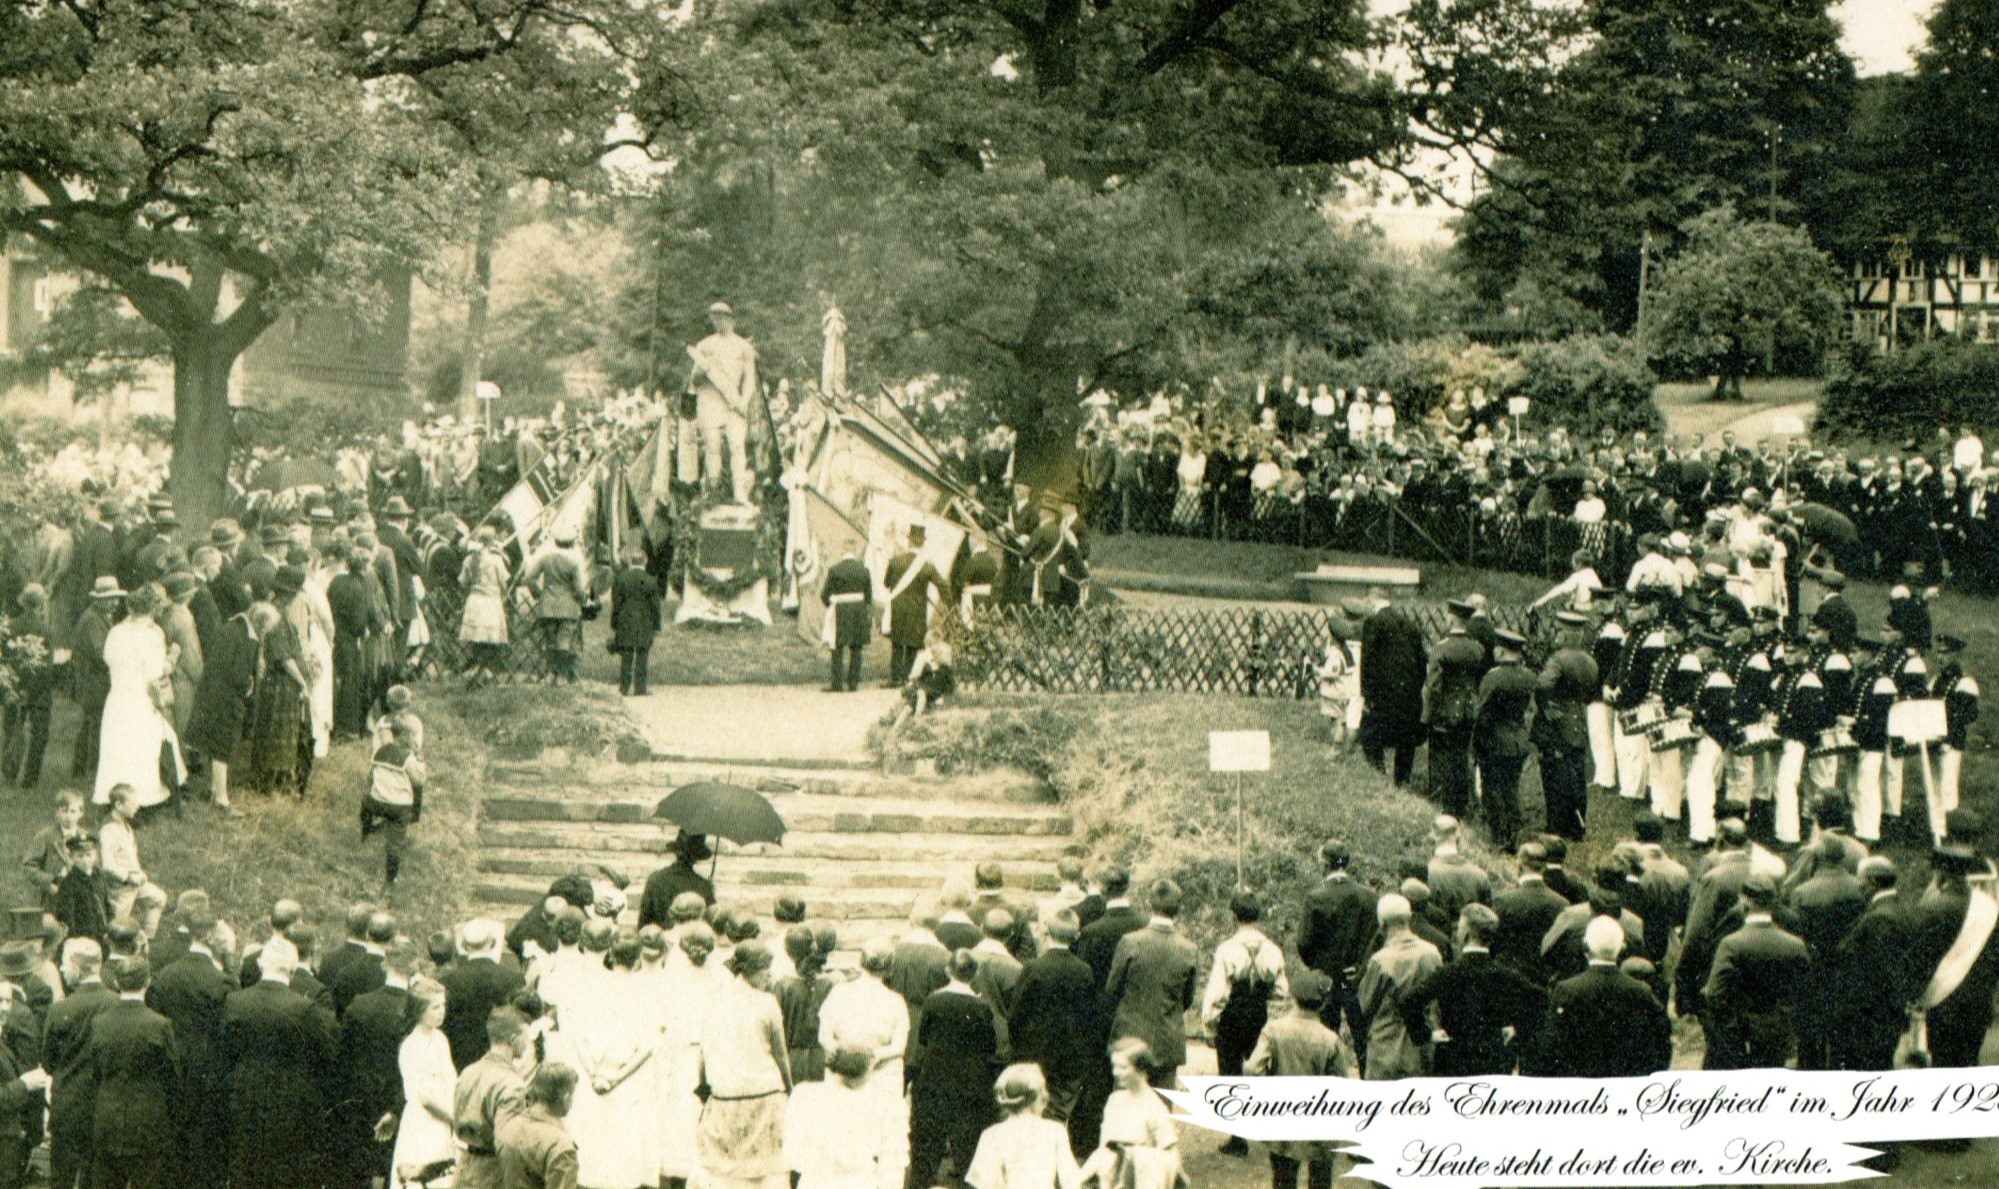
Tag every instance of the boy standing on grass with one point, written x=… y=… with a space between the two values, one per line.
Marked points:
x=1299 y=1045
x=48 y=856
x=394 y=800
x=82 y=897
x=132 y=893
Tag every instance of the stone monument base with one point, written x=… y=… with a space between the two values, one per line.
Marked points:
x=725 y=544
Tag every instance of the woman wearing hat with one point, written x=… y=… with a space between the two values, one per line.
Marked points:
x=483 y=628
x=183 y=634
x=138 y=745
x=89 y=680
x=278 y=755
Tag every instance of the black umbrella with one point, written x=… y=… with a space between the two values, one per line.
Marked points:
x=709 y=807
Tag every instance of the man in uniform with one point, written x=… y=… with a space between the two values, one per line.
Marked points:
x=1904 y=666
x=1714 y=718
x=724 y=383
x=1627 y=688
x=912 y=582
x=1958 y=690
x=1450 y=702
x=1571 y=691
x=1801 y=718
x=848 y=593
x=1501 y=721
x=489 y=1095
x=1828 y=772
x=1605 y=647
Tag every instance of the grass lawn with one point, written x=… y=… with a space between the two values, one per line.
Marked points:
x=1690 y=408
x=310 y=849
x=1264 y=566
x=714 y=654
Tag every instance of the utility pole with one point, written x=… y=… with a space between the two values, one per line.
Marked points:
x=1776 y=130
x=1644 y=270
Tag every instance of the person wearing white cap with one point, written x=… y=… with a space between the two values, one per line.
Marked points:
x=724 y=384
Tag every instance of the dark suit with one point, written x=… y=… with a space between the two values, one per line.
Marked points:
x=191 y=993
x=335 y=961
x=1526 y=913
x=282 y=1053
x=958 y=935
x=72 y=1090
x=1152 y=982
x=1055 y=1024
x=353 y=978
x=1869 y=982
x=1716 y=894
x=1752 y=995
x=135 y=1060
x=1392 y=663
x=1827 y=907
x=1334 y=940
x=1477 y=996
x=1957 y=1026
x=909 y=612
x=1098 y=943
x=1604 y=1024
x=1020 y=943
x=635 y=623
x=951 y=1101
x=371 y=1037
x=1450 y=703
x=473 y=988
x=1501 y=723
x=853 y=621
x=20 y=1108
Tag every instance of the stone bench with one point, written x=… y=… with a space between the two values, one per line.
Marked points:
x=1328 y=584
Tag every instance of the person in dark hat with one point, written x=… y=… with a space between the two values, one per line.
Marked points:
x=260 y=571
x=22 y=1081
x=1567 y=685
x=656 y=904
x=1450 y=707
x=1502 y=722
x=393 y=536
x=1834 y=613
x=1754 y=985
x=1393 y=663
x=1955 y=951
x=1802 y=716
x=912 y=583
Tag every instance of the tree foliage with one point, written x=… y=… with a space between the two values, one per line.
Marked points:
x=1741 y=290
x=1912 y=392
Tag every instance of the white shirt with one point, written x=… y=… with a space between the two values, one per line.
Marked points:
x=1967 y=453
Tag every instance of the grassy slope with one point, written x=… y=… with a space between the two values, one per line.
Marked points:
x=1690 y=408
x=1260 y=564
x=310 y=849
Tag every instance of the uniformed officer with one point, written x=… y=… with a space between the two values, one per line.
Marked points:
x=1873 y=698
x=1959 y=692
x=1905 y=667
x=1828 y=771
x=978 y=573
x=1605 y=647
x=1450 y=704
x=1676 y=683
x=1501 y=722
x=1629 y=688
x=1571 y=691
x=848 y=593
x=911 y=582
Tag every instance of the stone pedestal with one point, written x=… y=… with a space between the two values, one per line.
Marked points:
x=725 y=543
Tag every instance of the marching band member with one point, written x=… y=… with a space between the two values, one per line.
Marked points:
x=1644 y=646
x=1714 y=717
x=1605 y=648
x=1801 y=719
x=1676 y=682
x=1830 y=768
x=1904 y=666
x=1874 y=696
x=1959 y=693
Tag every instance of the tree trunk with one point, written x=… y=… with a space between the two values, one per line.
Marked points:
x=204 y=433
x=472 y=350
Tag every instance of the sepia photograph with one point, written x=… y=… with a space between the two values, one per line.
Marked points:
x=998 y=594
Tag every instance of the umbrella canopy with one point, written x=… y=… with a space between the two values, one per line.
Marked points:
x=1826 y=524
x=709 y=807
x=283 y=474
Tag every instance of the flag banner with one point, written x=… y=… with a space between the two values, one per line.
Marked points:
x=1693 y=1127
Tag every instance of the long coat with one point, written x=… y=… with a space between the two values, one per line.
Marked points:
x=635 y=614
x=960 y=1039
x=72 y=1090
x=852 y=620
x=1153 y=975
x=190 y=992
x=1604 y=1024
x=1393 y=662
x=909 y=613
x=1055 y=1022
x=135 y=1059
x=222 y=700
x=282 y=1053
x=473 y=988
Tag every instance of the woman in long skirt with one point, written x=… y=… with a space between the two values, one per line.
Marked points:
x=312 y=619
x=354 y=621
x=278 y=748
x=222 y=701
x=137 y=744
x=615 y=1034
x=740 y=1141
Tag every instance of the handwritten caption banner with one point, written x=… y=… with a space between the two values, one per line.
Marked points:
x=1757 y=1126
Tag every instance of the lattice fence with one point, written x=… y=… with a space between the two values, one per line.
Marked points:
x=1248 y=652
x=447 y=656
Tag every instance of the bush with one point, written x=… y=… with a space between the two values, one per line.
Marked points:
x=1912 y=392
x=1588 y=382
x=1419 y=375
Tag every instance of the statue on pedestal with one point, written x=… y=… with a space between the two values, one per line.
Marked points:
x=724 y=384
x=833 y=364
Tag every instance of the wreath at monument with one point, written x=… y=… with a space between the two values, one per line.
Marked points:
x=768 y=551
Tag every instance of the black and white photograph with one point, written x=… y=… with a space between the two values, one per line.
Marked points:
x=950 y=594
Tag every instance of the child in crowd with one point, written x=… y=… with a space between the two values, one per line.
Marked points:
x=132 y=893
x=1023 y=1150
x=82 y=897
x=1297 y=1044
x=1337 y=679
x=394 y=800
x=400 y=704
x=48 y=856
x=840 y=1132
x=931 y=679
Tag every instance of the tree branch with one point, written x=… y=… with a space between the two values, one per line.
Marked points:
x=1187 y=34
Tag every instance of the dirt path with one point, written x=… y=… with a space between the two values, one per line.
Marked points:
x=760 y=722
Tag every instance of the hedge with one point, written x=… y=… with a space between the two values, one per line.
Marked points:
x=1912 y=392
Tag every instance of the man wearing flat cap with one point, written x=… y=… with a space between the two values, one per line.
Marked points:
x=1502 y=719
x=724 y=384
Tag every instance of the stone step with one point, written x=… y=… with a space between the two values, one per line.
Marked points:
x=638 y=782
x=622 y=842
x=774 y=873
x=806 y=813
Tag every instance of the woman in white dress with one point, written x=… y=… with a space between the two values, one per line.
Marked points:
x=483 y=627
x=136 y=730
x=692 y=982
x=423 y=1135
x=312 y=619
x=614 y=1034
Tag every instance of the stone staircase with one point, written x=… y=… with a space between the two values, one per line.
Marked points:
x=862 y=844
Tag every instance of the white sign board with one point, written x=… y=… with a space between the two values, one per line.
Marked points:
x=1787 y=424
x=1919 y=721
x=1238 y=751
x=487 y=390
x=1517 y=406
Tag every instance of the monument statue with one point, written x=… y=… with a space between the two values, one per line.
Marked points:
x=833 y=364
x=724 y=384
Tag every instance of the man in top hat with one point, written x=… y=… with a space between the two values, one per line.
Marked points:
x=1450 y=706
x=1568 y=686
x=724 y=384
x=848 y=593
x=1502 y=720
x=912 y=583
x=1958 y=690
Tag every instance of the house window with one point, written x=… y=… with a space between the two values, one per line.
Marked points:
x=1867 y=269
x=1974 y=266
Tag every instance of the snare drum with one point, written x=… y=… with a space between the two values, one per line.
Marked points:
x=1837 y=742
x=1675 y=733
x=1644 y=719
x=1757 y=738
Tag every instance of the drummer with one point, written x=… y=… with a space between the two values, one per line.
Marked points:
x=1801 y=720
x=1873 y=698
x=1676 y=683
x=1832 y=768
x=1715 y=719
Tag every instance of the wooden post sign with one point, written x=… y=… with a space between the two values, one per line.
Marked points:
x=1237 y=752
